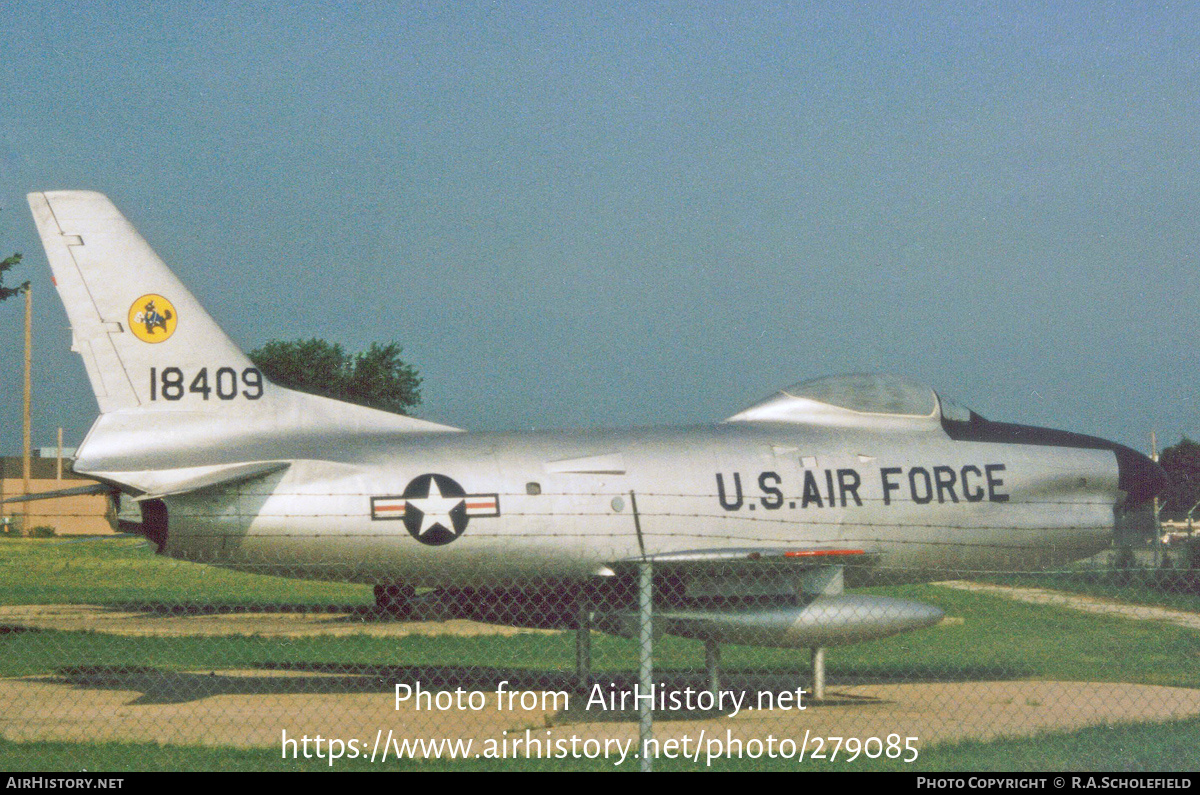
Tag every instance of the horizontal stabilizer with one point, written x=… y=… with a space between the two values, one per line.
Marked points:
x=219 y=476
x=78 y=491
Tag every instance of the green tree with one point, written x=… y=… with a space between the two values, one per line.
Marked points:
x=1182 y=463
x=7 y=264
x=375 y=377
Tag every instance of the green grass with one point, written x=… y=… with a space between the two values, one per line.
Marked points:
x=124 y=571
x=986 y=638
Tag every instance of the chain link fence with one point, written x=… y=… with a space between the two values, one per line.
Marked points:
x=119 y=658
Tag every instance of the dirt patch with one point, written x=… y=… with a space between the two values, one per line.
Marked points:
x=255 y=708
x=150 y=622
x=230 y=708
x=1088 y=604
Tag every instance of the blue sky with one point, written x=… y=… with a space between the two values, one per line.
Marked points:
x=630 y=214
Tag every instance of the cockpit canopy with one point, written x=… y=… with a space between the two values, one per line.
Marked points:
x=864 y=396
x=868 y=393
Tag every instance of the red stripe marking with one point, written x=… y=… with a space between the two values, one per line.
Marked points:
x=817 y=553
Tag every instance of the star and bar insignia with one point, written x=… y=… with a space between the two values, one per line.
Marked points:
x=435 y=509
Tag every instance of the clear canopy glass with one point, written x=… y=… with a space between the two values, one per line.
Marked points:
x=869 y=393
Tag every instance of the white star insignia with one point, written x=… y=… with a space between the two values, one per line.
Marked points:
x=435 y=509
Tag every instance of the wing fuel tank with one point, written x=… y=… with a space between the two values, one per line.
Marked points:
x=824 y=621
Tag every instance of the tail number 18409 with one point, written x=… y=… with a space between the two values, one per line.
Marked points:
x=171 y=383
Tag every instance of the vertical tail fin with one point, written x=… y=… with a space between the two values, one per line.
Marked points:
x=159 y=365
x=145 y=341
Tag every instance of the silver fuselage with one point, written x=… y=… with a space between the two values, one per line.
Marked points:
x=915 y=500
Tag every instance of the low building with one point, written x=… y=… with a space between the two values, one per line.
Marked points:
x=83 y=515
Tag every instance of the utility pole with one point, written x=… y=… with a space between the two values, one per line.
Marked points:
x=1157 y=525
x=27 y=425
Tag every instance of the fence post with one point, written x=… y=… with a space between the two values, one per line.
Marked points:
x=818 y=673
x=645 y=661
x=712 y=661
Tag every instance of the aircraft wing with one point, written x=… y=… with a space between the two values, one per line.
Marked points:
x=749 y=572
x=709 y=558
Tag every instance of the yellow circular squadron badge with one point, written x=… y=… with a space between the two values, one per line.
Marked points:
x=152 y=318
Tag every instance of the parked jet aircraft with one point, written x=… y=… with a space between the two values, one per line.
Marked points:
x=754 y=524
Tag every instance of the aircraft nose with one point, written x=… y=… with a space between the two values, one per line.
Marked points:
x=1140 y=478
